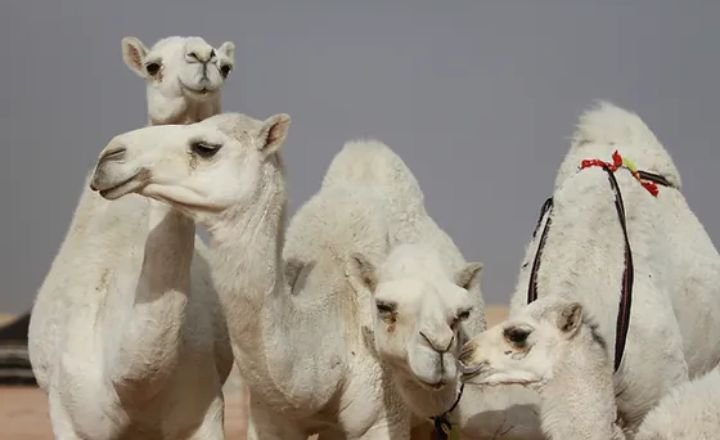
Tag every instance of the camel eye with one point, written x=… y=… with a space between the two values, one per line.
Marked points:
x=225 y=70
x=516 y=335
x=152 y=68
x=205 y=150
x=462 y=315
x=386 y=308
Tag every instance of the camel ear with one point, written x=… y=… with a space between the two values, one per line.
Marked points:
x=361 y=273
x=134 y=52
x=469 y=276
x=273 y=133
x=570 y=318
x=227 y=51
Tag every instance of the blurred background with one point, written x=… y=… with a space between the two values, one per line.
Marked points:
x=478 y=97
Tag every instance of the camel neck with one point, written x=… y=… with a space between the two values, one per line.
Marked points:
x=171 y=235
x=184 y=112
x=154 y=330
x=246 y=244
x=578 y=402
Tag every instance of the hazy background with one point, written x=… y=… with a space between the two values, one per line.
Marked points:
x=479 y=98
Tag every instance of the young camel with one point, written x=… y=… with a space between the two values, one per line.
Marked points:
x=676 y=296
x=127 y=316
x=551 y=345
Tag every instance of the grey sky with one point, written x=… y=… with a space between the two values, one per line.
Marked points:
x=478 y=97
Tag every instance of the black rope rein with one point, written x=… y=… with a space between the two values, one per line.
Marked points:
x=625 y=303
x=442 y=425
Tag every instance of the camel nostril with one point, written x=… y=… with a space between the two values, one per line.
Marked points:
x=441 y=350
x=113 y=154
x=193 y=55
x=426 y=339
x=449 y=344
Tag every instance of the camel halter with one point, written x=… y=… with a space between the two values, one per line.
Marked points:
x=443 y=428
x=649 y=181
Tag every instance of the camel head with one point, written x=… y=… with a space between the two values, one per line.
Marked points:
x=420 y=308
x=525 y=349
x=179 y=72
x=200 y=169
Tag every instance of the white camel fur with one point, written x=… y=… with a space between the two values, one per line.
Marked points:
x=184 y=77
x=552 y=346
x=691 y=411
x=291 y=347
x=127 y=316
x=418 y=332
x=676 y=297
x=434 y=294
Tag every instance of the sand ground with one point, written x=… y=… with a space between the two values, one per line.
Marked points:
x=24 y=412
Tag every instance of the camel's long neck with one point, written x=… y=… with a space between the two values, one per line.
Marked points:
x=246 y=261
x=152 y=335
x=578 y=402
x=183 y=111
x=153 y=332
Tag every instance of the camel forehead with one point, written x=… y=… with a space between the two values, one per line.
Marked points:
x=415 y=261
x=537 y=315
x=158 y=134
x=432 y=293
x=540 y=310
x=405 y=289
x=231 y=124
x=169 y=44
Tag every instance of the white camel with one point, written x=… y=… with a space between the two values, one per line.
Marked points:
x=676 y=298
x=691 y=411
x=293 y=347
x=184 y=76
x=127 y=336
x=370 y=174
x=421 y=308
x=297 y=344
x=552 y=346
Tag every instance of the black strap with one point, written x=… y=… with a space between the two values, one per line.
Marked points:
x=441 y=423
x=623 y=318
x=532 y=285
x=545 y=208
x=624 y=307
x=657 y=178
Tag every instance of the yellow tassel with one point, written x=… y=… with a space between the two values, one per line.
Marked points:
x=627 y=163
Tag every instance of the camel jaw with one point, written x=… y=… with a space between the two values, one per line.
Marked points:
x=114 y=189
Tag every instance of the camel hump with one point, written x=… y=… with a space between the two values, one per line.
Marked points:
x=606 y=127
x=368 y=162
x=606 y=123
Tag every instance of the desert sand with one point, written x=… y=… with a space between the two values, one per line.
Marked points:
x=24 y=412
